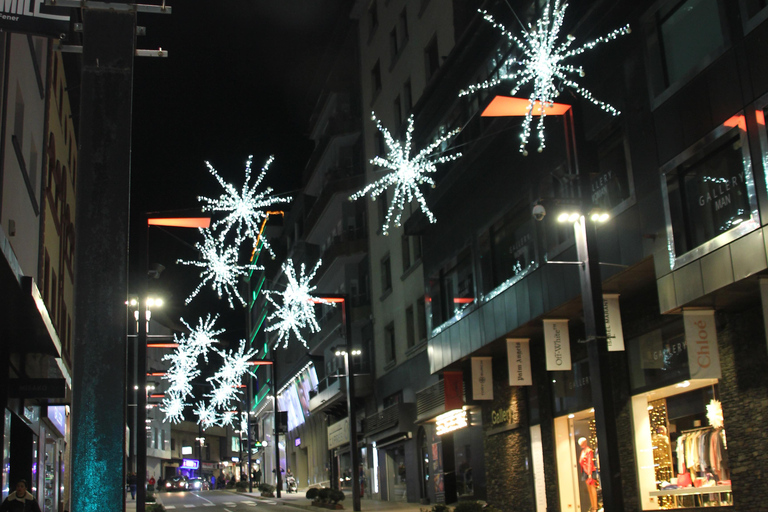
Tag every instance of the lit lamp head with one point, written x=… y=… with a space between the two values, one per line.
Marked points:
x=595 y=215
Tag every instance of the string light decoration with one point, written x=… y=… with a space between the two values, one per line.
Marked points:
x=246 y=207
x=662 y=449
x=220 y=268
x=296 y=310
x=542 y=64
x=407 y=174
x=203 y=336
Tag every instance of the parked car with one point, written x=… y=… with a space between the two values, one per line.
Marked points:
x=177 y=483
x=199 y=484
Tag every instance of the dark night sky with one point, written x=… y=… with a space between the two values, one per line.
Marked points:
x=238 y=81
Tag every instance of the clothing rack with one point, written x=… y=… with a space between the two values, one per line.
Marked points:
x=708 y=427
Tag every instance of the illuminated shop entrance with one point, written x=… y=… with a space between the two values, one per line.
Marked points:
x=578 y=462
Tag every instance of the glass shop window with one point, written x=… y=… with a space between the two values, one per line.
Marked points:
x=682 y=37
x=452 y=289
x=708 y=195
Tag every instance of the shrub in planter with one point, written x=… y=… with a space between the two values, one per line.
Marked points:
x=437 y=507
x=241 y=485
x=154 y=507
x=468 y=506
x=150 y=498
x=324 y=494
x=336 y=496
x=312 y=493
x=267 y=489
x=230 y=484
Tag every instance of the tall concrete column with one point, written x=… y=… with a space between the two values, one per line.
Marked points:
x=101 y=287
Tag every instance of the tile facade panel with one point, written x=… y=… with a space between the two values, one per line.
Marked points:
x=688 y=283
x=666 y=290
x=748 y=254
x=717 y=269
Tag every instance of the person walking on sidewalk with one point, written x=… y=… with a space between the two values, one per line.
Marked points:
x=131 y=481
x=20 y=501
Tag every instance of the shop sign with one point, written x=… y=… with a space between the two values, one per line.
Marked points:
x=34 y=17
x=186 y=450
x=502 y=416
x=453 y=386
x=613 y=328
x=701 y=339
x=338 y=434
x=57 y=414
x=37 y=388
x=519 y=362
x=208 y=465
x=557 y=343
x=450 y=421
x=190 y=463
x=482 y=378
x=297 y=441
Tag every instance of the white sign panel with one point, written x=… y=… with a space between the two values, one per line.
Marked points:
x=482 y=378
x=338 y=434
x=519 y=361
x=613 y=328
x=701 y=340
x=557 y=343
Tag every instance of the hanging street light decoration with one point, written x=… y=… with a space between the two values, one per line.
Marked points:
x=296 y=309
x=246 y=208
x=225 y=384
x=220 y=268
x=407 y=173
x=542 y=64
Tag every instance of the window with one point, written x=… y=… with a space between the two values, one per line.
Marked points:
x=407 y=97
x=373 y=18
x=410 y=326
x=376 y=79
x=383 y=207
x=753 y=13
x=32 y=168
x=397 y=110
x=506 y=250
x=393 y=399
x=402 y=26
x=386 y=274
x=381 y=145
x=46 y=278
x=708 y=191
x=612 y=181
x=452 y=289
x=389 y=343
x=682 y=37
x=431 y=58
x=394 y=46
x=422 y=319
x=406 y=249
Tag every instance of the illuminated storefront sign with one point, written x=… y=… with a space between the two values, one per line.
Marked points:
x=190 y=463
x=451 y=420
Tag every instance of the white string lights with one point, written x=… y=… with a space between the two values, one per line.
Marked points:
x=246 y=207
x=407 y=174
x=220 y=268
x=296 y=310
x=542 y=64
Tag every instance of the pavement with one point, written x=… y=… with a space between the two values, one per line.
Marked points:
x=299 y=500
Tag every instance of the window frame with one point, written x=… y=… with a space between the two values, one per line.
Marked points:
x=750 y=23
x=696 y=152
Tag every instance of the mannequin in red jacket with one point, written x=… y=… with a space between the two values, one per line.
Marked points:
x=588 y=472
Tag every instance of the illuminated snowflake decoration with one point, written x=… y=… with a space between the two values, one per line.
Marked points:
x=173 y=408
x=220 y=268
x=407 y=173
x=203 y=336
x=542 y=64
x=206 y=415
x=245 y=207
x=225 y=384
x=296 y=310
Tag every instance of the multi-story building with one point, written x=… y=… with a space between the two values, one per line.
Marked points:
x=37 y=198
x=322 y=225
x=682 y=172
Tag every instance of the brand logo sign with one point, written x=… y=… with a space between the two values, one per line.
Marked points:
x=502 y=416
x=338 y=434
x=701 y=339
x=557 y=343
x=519 y=362
x=34 y=17
x=613 y=328
x=482 y=378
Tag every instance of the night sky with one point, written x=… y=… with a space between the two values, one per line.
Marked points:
x=242 y=78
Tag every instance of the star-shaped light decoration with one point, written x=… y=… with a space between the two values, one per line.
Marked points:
x=245 y=207
x=407 y=173
x=206 y=415
x=220 y=268
x=203 y=335
x=296 y=310
x=542 y=64
x=225 y=384
x=173 y=408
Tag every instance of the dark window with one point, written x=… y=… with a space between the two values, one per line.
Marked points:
x=452 y=289
x=373 y=18
x=394 y=46
x=383 y=207
x=410 y=327
x=397 y=110
x=386 y=274
x=46 y=278
x=406 y=249
x=684 y=35
x=173 y=444
x=611 y=184
x=389 y=343
x=407 y=97
x=753 y=7
x=376 y=79
x=393 y=399
x=18 y=121
x=708 y=196
x=421 y=317
x=431 y=58
x=506 y=249
x=402 y=27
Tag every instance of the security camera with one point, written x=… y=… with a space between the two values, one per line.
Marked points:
x=538 y=212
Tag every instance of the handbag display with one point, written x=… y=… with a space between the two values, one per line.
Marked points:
x=684 y=480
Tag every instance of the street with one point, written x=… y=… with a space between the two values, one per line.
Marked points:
x=213 y=501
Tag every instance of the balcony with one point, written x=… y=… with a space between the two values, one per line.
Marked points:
x=330 y=323
x=331 y=393
x=326 y=210
x=398 y=416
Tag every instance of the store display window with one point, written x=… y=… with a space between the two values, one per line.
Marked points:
x=578 y=462
x=681 y=447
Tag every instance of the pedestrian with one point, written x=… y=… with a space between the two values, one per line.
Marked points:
x=132 y=484
x=258 y=476
x=151 y=482
x=20 y=501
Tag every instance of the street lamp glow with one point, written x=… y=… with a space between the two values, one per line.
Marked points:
x=563 y=217
x=573 y=217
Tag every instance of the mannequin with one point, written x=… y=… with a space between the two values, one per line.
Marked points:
x=588 y=472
